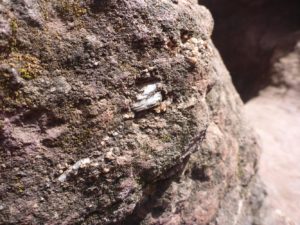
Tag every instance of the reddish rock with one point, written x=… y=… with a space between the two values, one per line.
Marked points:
x=72 y=148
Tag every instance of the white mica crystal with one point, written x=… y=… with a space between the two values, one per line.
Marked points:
x=74 y=168
x=147 y=91
x=149 y=98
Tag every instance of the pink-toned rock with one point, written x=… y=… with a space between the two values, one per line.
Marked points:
x=124 y=114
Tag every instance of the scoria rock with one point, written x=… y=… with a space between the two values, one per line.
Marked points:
x=70 y=154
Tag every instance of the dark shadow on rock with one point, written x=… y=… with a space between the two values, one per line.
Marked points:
x=246 y=33
x=152 y=194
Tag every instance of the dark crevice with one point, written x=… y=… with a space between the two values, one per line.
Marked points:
x=246 y=34
x=200 y=174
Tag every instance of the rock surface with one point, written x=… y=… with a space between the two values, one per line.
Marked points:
x=72 y=148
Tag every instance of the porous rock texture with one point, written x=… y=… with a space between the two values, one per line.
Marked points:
x=79 y=146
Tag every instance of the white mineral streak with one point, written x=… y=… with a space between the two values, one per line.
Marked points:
x=239 y=211
x=147 y=90
x=149 y=98
x=74 y=168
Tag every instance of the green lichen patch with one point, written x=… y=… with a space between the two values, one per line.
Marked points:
x=166 y=138
x=25 y=74
x=14 y=26
x=13 y=38
x=27 y=65
x=8 y=44
x=71 y=9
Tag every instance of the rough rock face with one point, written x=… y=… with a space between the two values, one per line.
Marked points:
x=120 y=112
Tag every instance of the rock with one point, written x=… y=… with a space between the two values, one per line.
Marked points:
x=5 y=32
x=190 y=160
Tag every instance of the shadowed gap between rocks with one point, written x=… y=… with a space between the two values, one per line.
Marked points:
x=246 y=34
x=259 y=42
